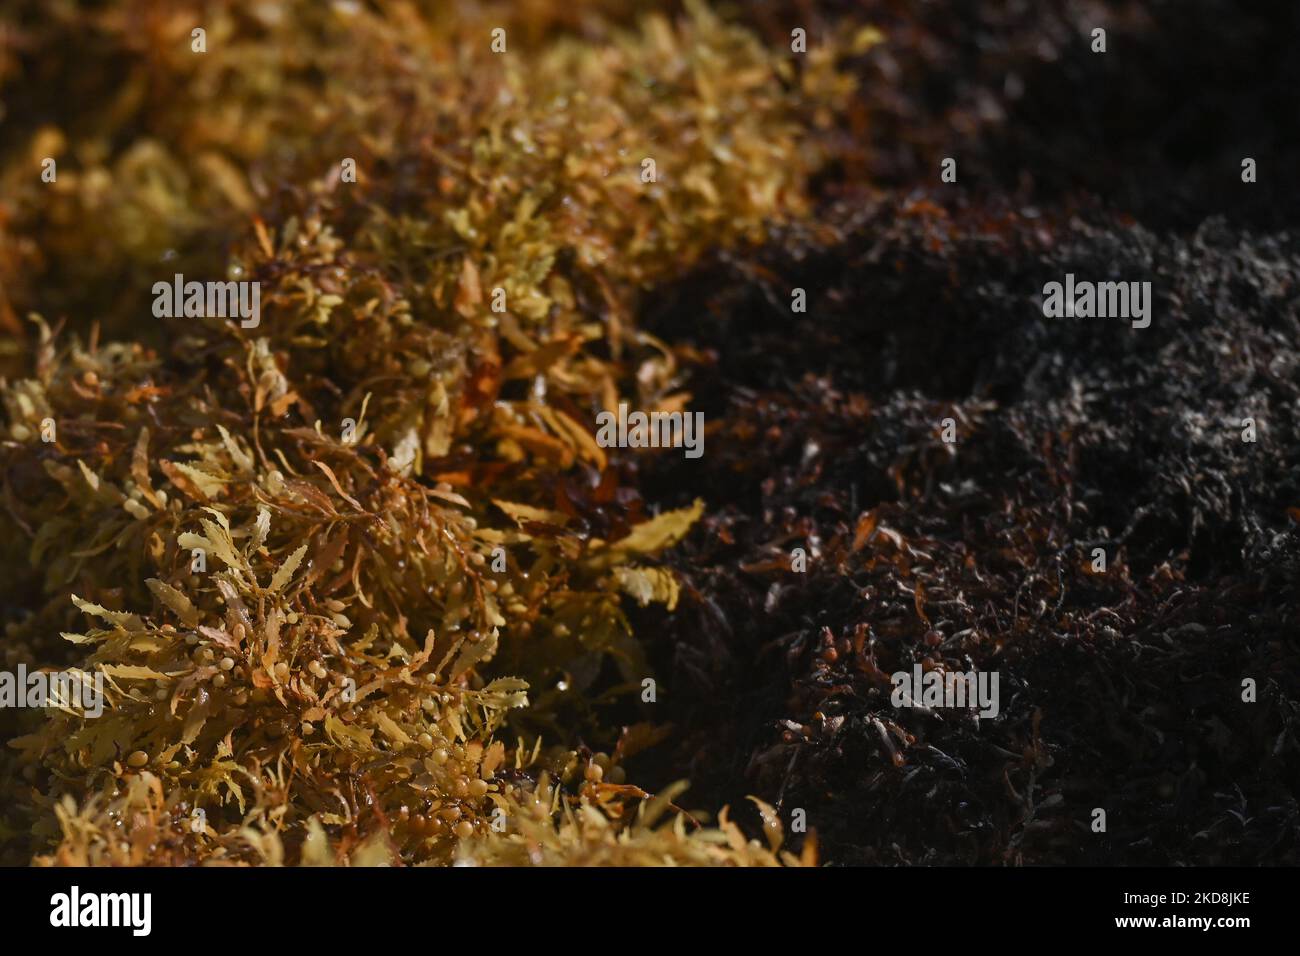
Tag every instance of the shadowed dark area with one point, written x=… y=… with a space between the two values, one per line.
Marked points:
x=1120 y=689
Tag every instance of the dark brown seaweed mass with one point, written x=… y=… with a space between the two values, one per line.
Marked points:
x=1122 y=690
x=1119 y=690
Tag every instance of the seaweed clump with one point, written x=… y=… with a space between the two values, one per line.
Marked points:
x=1122 y=679
x=1122 y=684
x=355 y=579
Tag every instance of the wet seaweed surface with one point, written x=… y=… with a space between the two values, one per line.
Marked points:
x=492 y=587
